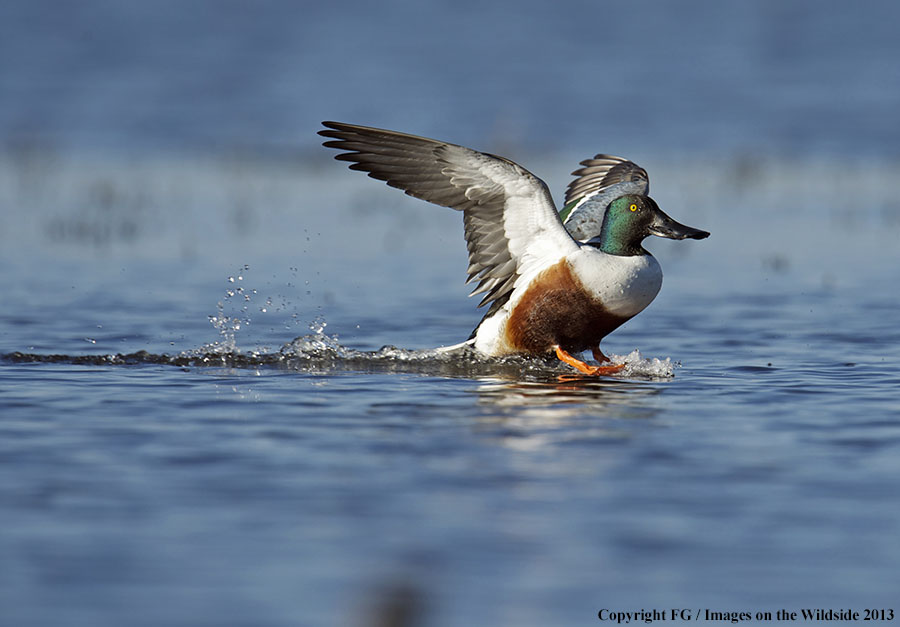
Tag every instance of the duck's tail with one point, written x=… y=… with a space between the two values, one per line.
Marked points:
x=456 y=347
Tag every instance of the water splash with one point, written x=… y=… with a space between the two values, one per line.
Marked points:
x=242 y=305
x=651 y=368
x=229 y=325
x=316 y=345
x=322 y=353
x=318 y=351
x=318 y=348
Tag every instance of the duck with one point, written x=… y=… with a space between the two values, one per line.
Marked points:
x=554 y=282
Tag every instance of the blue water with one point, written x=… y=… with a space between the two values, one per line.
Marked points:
x=199 y=424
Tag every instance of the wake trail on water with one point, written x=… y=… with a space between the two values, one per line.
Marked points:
x=320 y=353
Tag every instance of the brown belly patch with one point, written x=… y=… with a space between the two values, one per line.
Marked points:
x=556 y=310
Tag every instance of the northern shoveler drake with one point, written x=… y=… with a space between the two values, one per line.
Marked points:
x=550 y=288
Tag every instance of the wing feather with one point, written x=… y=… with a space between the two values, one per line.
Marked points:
x=605 y=171
x=511 y=225
x=602 y=179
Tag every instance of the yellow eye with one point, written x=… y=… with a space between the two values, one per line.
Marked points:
x=633 y=207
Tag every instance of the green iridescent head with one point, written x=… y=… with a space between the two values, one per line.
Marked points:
x=632 y=218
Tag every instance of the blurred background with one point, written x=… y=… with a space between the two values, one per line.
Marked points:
x=764 y=78
x=182 y=134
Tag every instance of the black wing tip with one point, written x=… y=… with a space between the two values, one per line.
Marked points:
x=346 y=127
x=336 y=130
x=339 y=134
x=345 y=132
x=336 y=125
x=340 y=130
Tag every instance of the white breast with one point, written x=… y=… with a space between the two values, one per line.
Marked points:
x=625 y=285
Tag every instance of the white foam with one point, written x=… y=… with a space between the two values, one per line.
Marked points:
x=320 y=346
x=638 y=366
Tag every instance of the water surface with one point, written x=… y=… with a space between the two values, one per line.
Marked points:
x=199 y=423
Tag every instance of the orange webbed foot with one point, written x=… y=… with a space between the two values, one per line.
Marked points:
x=585 y=368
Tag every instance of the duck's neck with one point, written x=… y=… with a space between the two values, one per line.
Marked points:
x=615 y=239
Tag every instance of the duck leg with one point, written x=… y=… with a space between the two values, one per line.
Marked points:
x=585 y=368
x=601 y=358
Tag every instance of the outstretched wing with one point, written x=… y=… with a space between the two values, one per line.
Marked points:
x=511 y=223
x=602 y=179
